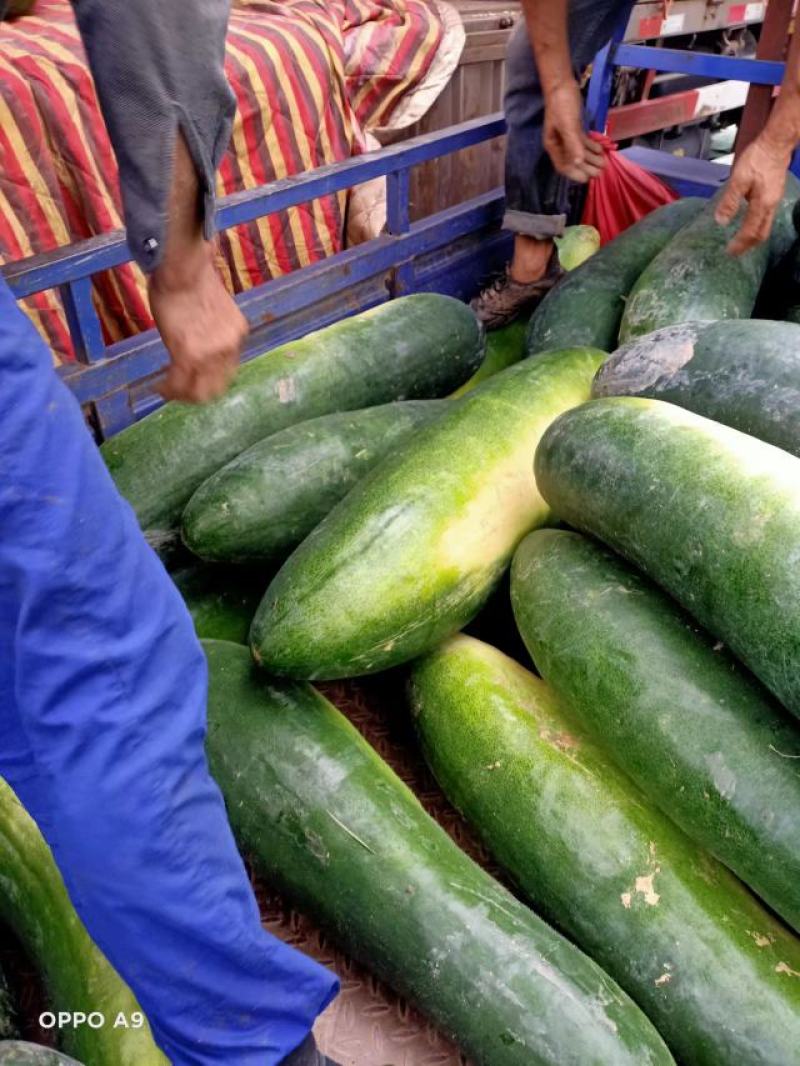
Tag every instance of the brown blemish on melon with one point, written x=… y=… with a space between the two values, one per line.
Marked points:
x=563 y=741
x=644 y=886
x=763 y=940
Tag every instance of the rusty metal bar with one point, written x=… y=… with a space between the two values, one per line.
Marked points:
x=772 y=44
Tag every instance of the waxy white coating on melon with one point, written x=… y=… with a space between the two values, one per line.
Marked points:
x=414 y=551
x=710 y=513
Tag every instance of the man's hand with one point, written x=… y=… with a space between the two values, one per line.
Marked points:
x=201 y=326
x=573 y=153
x=759 y=178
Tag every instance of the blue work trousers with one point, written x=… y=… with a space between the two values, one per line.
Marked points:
x=102 y=727
x=537 y=197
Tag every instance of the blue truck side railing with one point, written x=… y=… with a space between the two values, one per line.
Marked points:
x=691 y=177
x=451 y=251
x=446 y=252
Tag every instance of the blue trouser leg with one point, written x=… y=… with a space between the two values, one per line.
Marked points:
x=537 y=198
x=104 y=739
x=17 y=764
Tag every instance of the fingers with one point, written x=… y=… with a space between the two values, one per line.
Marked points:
x=203 y=331
x=573 y=147
x=750 y=184
x=189 y=382
x=755 y=229
x=729 y=203
x=594 y=167
x=199 y=375
x=595 y=156
x=574 y=155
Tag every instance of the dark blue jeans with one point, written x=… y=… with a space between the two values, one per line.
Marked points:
x=537 y=198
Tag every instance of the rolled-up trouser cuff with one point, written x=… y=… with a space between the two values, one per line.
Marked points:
x=539 y=226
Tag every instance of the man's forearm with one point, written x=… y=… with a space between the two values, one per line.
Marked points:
x=185 y=249
x=759 y=173
x=548 y=30
x=573 y=154
x=783 y=126
x=158 y=67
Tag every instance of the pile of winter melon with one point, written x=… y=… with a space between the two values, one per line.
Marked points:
x=615 y=509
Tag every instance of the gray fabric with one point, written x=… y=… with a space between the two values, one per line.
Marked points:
x=159 y=66
x=532 y=185
x=539 y=226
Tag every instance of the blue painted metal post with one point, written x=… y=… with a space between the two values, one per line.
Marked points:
x=398 y=222
x=598 y=96
x=113 y=413
x=82 y=320
x=109 y=413
x=701 y=64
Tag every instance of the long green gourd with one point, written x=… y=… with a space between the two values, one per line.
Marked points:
x=677 y=713
x=712 y=969
x=712 y=515
x=742 y=372
x=415 y=347
x=504 y=348
x=417 y=547
x=586 y=307
x=77 y=977
x=326 y=821
x=221 y=599
x=694 y=279
x=267 y=500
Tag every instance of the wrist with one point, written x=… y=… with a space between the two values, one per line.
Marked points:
x=558 y=84
x=782 y=131
x=182 y=266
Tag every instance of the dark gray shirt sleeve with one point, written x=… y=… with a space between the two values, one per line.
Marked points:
x=158 y=66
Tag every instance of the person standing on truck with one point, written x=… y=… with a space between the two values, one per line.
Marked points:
x=548 y=148
x=102 y=680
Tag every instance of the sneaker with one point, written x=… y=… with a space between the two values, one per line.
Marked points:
x=506 y=299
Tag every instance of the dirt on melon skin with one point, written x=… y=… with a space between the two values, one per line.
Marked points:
x=713 y=970
x=712 y=515
x=77 y=977
x=694 y=279
x=586 y=306
x=329 y=824
x=742 y=372
x=269 y=498
x=416 y=347
x=415 y=550
x=678 y=714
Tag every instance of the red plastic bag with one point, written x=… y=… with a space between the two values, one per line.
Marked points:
x=622 y=194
